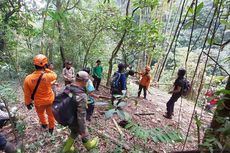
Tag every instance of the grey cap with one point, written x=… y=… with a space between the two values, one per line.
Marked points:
x=83 y=76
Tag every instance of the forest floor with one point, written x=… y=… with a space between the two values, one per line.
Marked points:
x=38 y=140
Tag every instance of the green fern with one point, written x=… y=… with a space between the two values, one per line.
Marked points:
x=164 y=135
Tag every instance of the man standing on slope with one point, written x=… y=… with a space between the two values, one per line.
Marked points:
x=97 y=74
x=145 y=81
x=43 y=95
x=78 y=126
x=179 y=85
x=119 y=80
x=68 y=73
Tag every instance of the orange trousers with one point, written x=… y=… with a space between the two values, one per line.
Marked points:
x=46 y=109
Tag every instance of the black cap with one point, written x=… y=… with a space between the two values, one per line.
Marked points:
x=181 y=72
x=121 y=65
x=98 y=61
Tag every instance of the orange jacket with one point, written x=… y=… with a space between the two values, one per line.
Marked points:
x=145 y=80
x=44 y=94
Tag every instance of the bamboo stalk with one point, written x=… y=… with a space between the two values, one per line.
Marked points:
x=118 y=128
x=112 y=139
x=216 y=13
x=144 y=114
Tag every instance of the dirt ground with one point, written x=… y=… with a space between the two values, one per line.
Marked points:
x=38 y=140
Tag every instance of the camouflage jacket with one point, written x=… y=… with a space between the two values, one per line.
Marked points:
x=81 y=102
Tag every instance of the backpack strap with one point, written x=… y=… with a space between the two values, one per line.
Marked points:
x=72 y=70
x=64 y=71
x=36 y=87
x=119 y=76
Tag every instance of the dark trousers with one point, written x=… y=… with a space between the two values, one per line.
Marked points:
x=89 y=111
x=3 y=122
x=171 y=102
x=114 y=92
x=2 y=142
x=140 y=89
x=96 y=82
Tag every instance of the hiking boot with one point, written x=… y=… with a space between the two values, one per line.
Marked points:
x=10 y=148
x=68 y=145
x=44 y=126
x=90 y=144
x=51 y=131
x=167 y=115
x=88 y=119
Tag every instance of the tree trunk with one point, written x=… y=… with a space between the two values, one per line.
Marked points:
x=114 y=53
x=110 y=71
x=117 y=48
x=59 y=27
x=173 y=40
x=221 y=113
x=89 y=47
x=43 y=26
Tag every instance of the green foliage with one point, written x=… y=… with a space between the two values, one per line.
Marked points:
x=164 y=135
x=7 y=90
x=117 y=109
x=21 y=126
x=118 y=149
x=222 y=92
x=225 y=130
x=199 y=7
x=146 y=3
x=109 y=113
x=58 y=16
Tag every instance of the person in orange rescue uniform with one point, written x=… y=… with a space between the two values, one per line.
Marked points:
x=44 y=95
x=145 y=81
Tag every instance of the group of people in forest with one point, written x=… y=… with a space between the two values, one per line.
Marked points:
x=38 y=92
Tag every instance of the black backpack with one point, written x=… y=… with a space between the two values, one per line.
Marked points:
x=187 y=88
x=64 y=109
x=115 y=82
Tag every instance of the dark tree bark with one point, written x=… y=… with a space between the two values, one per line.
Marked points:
x=220 y=113
x=59 y=27
x=114 y=53
x=173 y=40
x=90 y=45
x=117 y=48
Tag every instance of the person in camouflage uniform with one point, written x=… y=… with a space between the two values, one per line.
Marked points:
x=5 y=145
x=78 y=127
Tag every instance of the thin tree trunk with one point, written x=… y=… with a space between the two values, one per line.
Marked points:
x=217 y=11
x=117 y=48
x=220 y=50
x=206 y=38
x=114 y=53
x=89 y=47
x=225 y=112
x=43 y=26
x=172 y=42
x=191 y=35
x=59 y=27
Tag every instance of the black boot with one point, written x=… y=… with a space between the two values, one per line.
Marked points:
x=44 y=126
x=51 y=131
x=168 y=115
